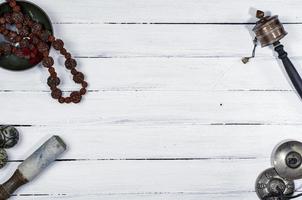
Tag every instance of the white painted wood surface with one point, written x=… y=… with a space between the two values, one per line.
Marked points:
x=172 y=113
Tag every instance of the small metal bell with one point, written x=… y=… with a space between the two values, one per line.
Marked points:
x=9 y=136
x=3 y=158
x=270 y=186
x=287 y=160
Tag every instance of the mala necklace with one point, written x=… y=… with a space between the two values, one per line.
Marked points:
x=32 y=42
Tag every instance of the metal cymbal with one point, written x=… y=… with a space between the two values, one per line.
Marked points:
x=287 y=160
x=270 y=186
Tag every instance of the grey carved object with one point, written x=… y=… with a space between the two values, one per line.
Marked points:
x=9 y=136
x=3 y=158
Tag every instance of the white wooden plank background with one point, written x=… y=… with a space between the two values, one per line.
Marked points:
x=172 y=113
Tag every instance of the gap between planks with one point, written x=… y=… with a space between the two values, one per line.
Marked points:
x=233 y=195
x=167 y=23
x=147 y=159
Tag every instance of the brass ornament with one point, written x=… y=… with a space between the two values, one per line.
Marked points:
x=268 y=29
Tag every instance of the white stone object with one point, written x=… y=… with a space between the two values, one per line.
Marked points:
x=42 y=157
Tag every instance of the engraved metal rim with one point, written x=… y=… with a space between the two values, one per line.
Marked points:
x=268 y=21
x=279 y=156
x=263 y=180
x=264 y=44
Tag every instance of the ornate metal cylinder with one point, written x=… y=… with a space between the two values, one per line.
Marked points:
x=268 y=29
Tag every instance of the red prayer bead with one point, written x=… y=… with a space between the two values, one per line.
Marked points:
x=34 y=42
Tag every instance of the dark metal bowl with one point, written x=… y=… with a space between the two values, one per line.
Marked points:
x=13 y=62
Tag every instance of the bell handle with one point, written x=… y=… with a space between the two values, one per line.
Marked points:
x=8 y=188
x=289 y=67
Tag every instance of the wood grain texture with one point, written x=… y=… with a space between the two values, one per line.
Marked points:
x=160 y=74
x=156 y=196
x=159 y=142
x=175 y=40
x=167 y=11
x=203 y=178
x=171 y=113
x=155 y=107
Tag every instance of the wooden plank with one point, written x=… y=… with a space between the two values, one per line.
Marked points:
x=167 y=11
x=173 y=142
x=189 y=41
x=154 y=108
x=156 y=196
x=160 y=74
x=104 y=178
x=166 y=104
x=136 y=40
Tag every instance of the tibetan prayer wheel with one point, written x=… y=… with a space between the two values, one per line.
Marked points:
x=268 y=29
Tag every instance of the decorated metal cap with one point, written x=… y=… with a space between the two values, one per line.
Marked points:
x=270 y=186
x=3 y=158
x=12 y=62
x=9 y=136
x=287 y=160
x=268 y=29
